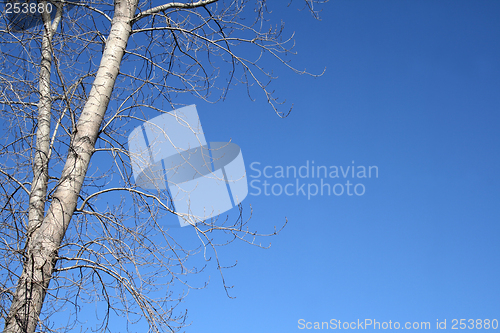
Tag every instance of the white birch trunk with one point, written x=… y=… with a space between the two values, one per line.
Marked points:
x=46 y=237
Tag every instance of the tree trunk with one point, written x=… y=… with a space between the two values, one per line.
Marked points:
x=43 y=243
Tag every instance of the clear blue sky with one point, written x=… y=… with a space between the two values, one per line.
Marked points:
x=411 y=87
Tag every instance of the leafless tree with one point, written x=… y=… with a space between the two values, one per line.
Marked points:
x=71 y=89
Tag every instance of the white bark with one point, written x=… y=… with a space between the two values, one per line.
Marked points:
x=41 y=154
x=42 y=247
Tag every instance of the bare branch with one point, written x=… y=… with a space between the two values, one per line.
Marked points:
x=172 y=5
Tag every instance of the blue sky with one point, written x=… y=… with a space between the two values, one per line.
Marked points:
x=412 y=88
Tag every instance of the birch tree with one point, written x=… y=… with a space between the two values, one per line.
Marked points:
x=71 y=82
